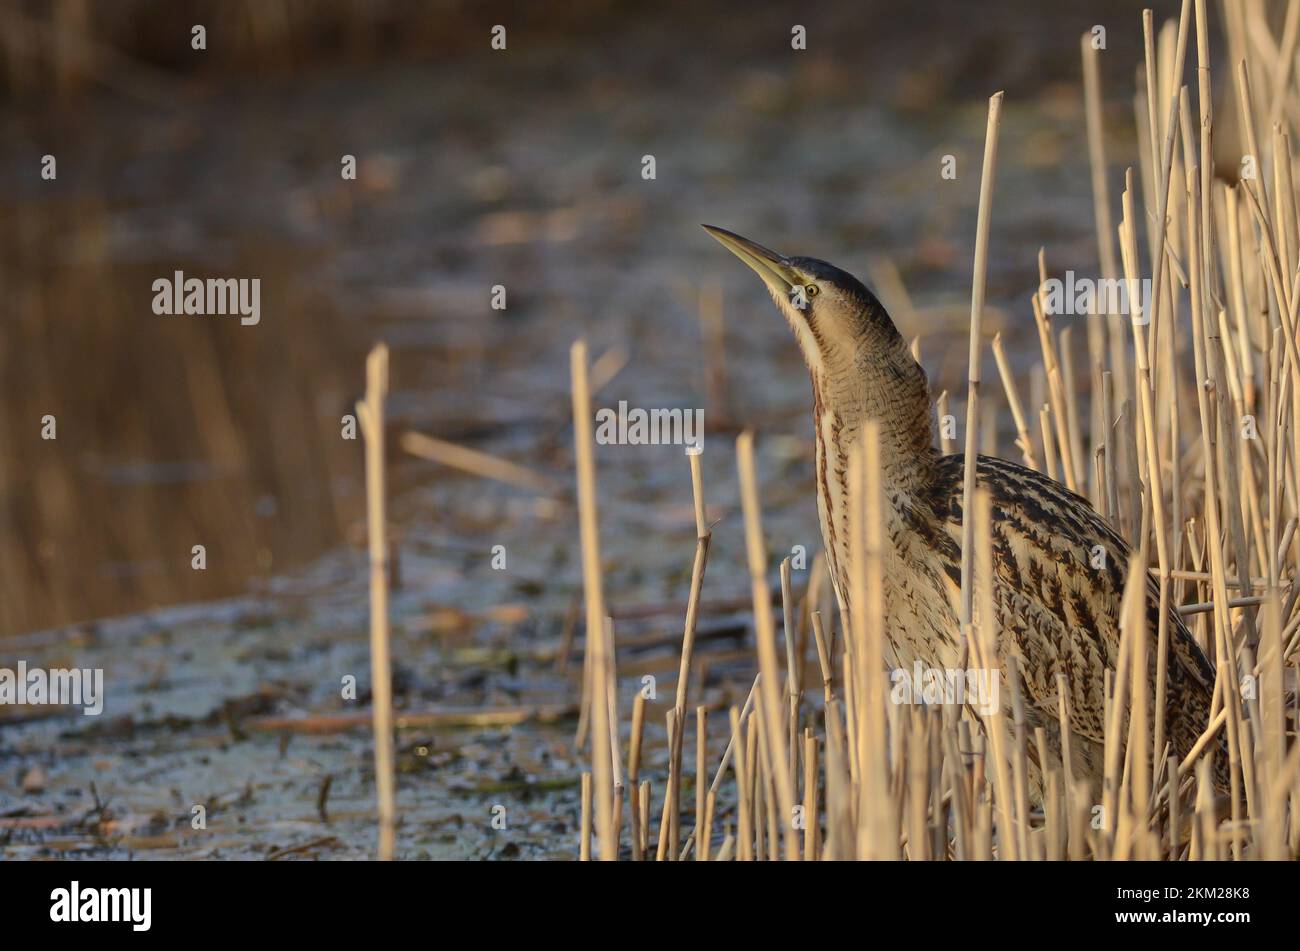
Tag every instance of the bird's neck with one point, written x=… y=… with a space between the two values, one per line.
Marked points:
x=880 y=382
x=885 y=385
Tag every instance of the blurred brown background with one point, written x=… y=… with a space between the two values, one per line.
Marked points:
x=476 y=167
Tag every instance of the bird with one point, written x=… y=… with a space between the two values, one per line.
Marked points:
x=1056 y=613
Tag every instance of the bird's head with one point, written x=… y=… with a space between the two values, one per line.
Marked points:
x=835 y=319
x=860 y=365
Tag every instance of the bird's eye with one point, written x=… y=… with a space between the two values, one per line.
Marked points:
x=811 y=290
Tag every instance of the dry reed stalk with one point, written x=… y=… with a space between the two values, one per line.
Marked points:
x=1049 y=448
x=1023 y=441
x=980 y=272
x=477 y=463
x=1205 y=838
x=600 y=670
x=702 y=539
x=1110 y=500
x=1153 y=493
x=1102 y=219
x=701 y=791
x=744 y=826
x=823 y=658
x=1055 y=381
x=839 y=806
x=1164 y=185
x=1115 y=812
x=769 y=697
x=917 y=777
x=731 y=740
x=370 y=413
x=672 y=796
x=810 y=817
x=1019 y=762
x=633 y=773
x=643 y=819
x=1140 y=754
x=705 y=841
x=1285 y=63
x=877 y=829
x=584 y=839
x=1272 y=694
x=766 y=804
x=752 y=786
x=1053 y=817
x=955 y=775
x=615 y=754
x=851 y=702
x=793 y=665
x=984 y=654
x=1225 y=659
x=1080 y=805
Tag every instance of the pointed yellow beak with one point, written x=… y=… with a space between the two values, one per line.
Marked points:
x=773 y=268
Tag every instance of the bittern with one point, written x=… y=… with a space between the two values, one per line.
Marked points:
x=1055 y=612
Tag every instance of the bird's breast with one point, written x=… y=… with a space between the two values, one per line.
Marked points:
x=920 y=593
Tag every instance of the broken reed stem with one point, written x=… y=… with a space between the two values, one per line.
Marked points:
x=731 y=742
x=477 y=463
x=823 y=657
x=1023 y=440
x=973 y=368
x=599 y=675
x=370 y=413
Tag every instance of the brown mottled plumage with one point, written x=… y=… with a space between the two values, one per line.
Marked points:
x=1056 y=613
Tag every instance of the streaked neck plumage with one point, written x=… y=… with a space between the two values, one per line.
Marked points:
x=879 y=380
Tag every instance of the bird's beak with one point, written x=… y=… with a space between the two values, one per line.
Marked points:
x=773 y=268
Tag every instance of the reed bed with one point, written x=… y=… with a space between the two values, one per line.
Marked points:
x=1183 y=434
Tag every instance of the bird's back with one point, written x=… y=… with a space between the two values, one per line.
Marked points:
x=1060 y=572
